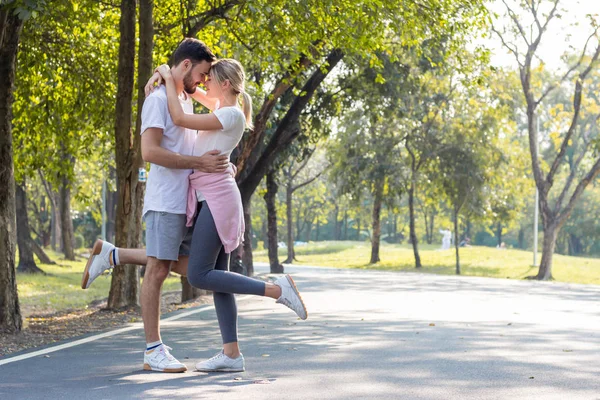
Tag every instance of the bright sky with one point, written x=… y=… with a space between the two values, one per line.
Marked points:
x=567 y=34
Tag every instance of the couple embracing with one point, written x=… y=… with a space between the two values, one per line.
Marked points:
x=192 y=207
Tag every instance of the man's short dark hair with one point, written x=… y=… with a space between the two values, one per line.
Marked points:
x=194 y=50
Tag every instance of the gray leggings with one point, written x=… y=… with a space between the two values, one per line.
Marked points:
x=208 y=269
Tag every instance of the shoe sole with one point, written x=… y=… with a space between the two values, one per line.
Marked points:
x=291 y=281
x=86 y=272
x=147 y=367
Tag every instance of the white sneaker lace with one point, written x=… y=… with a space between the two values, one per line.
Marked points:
x=217 y=356
x=164 y=351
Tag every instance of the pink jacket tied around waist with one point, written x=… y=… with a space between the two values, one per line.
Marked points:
x=224 y=201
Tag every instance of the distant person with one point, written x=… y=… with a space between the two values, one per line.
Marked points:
x=446 y=238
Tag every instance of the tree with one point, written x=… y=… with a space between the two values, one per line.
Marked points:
x=333 y=31
x=272 y=242
x=555 y=208
x=26 y=262
x=291 y=185
x=366 y=157
x=60 y=115
x=462 y=180
x=471 y=156
x=124 y=290
x=11 y=23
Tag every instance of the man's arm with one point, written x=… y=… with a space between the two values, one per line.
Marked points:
x=153 y=152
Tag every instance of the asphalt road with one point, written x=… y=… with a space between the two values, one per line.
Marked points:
x=379 y=335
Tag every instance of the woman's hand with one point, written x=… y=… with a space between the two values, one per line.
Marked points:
x=155 y=81
x=164 y=71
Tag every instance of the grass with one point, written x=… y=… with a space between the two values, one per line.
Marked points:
x=475 y=260
x=61 y=289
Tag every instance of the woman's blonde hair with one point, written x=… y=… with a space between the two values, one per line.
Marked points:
x=228 y=69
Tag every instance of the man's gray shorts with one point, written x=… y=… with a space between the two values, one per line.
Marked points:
x=167 y=237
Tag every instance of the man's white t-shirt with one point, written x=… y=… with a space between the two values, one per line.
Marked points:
x=166 y=189
x=226 y=139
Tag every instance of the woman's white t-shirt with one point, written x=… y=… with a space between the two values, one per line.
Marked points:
x=226 y=139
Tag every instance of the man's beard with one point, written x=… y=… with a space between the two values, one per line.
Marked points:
x=188 y=83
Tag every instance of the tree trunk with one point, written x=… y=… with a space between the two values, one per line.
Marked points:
x=337 y=228
x=377 y=200
x=264 y=234
x=413 y=232
x=247 y=259
x=345 y=225
x=55 y=226
x=308 y=232
x=26 y=261
x=317 y=232
x=40 y=253
x=291 y=256
x=112 y=199
x=270 y=196
x=358 y=229
x=427 y=230
x=456 y=242
x=299 y=226
x=499 y=233
x=124 y=289
x=188 y=292
x=521 y=238
x=65 y=219
x=549 y=243
x=42 y=217
x=575 y=247
x=429 y=224
x=10 y=312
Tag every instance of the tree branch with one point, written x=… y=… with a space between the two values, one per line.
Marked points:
x=575 y=168
x=590 y=176
x=287 y=129
x=576 y=112
x=256 y=136
x=515 y=19
x=566 y=75
x=307 y=182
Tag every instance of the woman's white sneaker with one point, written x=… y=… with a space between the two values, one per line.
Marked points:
x=159 y=359
x=222 y=363
x=290 y=296
x=98 y=262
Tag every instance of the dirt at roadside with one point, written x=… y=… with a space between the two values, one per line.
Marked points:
x=47 y=328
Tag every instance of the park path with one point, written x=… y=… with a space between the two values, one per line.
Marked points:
x=370 y=334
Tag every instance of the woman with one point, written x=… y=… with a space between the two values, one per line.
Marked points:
x=215 y=201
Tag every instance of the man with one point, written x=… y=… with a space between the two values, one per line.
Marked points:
x=168 y=148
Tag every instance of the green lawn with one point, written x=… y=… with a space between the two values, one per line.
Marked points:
x=61 y=289
x=475 y=260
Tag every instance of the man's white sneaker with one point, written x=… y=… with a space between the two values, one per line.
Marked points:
x=159 y=359
x=290 y=296
x=222 y=363
x=98 y=262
